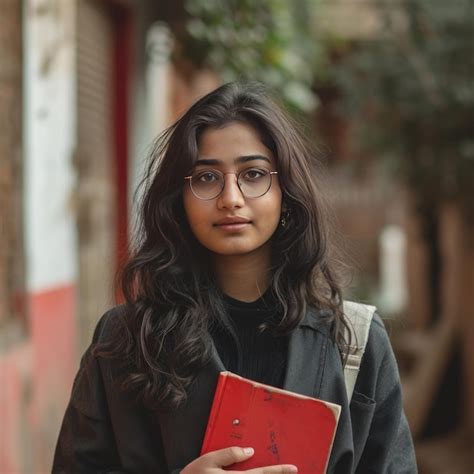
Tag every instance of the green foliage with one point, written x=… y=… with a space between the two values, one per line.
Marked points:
x=265 y=40
x=411 y=88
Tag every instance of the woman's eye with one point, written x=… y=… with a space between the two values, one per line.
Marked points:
x=207 y=177
x=253 y=174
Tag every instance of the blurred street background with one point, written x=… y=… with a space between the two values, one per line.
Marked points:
x=385 y=88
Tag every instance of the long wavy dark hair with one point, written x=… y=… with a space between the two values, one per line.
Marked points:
x=171 y=294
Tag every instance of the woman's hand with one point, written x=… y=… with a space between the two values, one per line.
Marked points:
x=213 y=462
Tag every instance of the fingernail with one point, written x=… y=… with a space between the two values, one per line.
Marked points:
x=293 y=469
x=248 y=451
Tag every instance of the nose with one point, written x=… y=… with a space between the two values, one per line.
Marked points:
x=231 y=196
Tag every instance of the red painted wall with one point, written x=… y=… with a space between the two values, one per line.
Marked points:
x=35 y=382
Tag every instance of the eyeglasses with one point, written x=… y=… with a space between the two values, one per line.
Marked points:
x=209 y=183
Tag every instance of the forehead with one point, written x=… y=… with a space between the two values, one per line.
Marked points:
x=232 y=141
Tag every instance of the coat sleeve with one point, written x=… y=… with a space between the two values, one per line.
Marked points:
x=86 y=443
x=389 y=447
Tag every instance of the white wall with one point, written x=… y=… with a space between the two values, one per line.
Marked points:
x=50 y=130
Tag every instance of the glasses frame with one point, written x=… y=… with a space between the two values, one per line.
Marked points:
x=237 y=175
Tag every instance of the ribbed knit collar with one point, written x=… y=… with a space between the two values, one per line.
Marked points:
x=265 y=302
x=252 y=313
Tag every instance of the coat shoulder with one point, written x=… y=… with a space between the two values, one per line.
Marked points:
x=108 y=322
x=379 y=338
x=379 y=369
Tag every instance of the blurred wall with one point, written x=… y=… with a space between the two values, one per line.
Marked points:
x=78 y=62
x=37 y=369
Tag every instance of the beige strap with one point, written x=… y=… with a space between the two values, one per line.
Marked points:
x=359 y=317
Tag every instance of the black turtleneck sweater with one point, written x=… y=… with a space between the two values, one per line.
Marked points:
x=247 y=350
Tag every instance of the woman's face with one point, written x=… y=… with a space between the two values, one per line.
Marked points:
x=232 y=224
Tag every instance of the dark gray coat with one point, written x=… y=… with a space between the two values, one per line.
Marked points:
x=104 y=431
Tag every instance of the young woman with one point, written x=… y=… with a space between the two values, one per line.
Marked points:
x=233 y=270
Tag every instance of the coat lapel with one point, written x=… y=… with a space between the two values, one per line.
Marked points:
x=306 y=356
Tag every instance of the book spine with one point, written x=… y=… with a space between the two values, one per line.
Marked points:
x=215 y=409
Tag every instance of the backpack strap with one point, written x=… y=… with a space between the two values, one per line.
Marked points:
x=359 y=317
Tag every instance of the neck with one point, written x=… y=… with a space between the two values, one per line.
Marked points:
x=243 y=277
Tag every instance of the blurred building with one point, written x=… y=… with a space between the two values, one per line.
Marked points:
x=84 y=87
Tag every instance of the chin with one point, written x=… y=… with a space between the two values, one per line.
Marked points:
x=233 y=250
x=235 y=245
x=238 y=248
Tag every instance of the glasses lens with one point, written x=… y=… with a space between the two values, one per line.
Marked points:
x=207 y=184
x=254 y=182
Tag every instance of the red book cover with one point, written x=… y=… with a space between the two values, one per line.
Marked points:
x=283 y=427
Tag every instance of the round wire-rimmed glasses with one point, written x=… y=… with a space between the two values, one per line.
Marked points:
x=209 y=183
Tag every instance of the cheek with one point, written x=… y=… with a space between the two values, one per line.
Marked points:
x=269 y=211
x=195 y=211
x=273 y=204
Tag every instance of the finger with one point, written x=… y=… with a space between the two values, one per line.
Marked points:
x=280 y=469
x=228 y=456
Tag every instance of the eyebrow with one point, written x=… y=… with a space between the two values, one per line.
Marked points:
x=238 y=160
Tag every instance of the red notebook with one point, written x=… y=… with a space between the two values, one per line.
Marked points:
x=283 y=427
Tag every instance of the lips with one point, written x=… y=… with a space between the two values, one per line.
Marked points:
x=232 y=220
x=232 y=223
